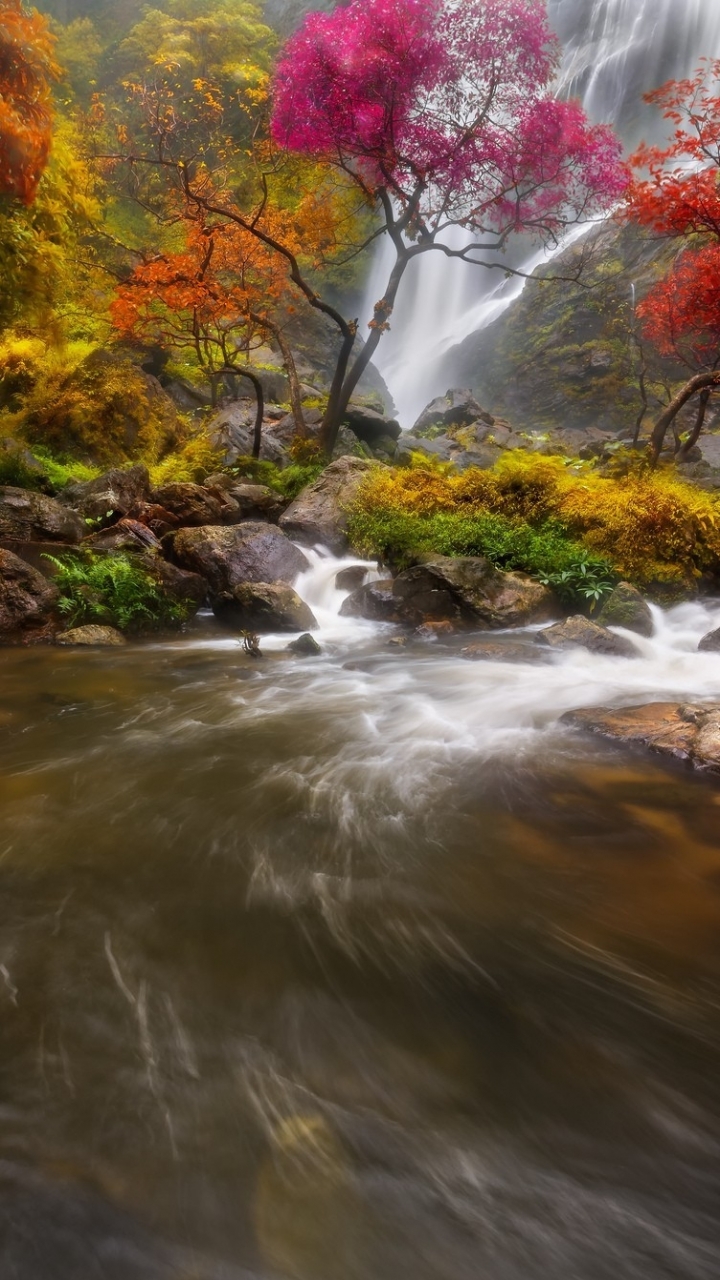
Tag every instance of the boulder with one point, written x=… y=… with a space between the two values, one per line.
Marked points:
x=626 y=608
x=306 y=646
x=27 y=599
x=187 y=589
x=257 y=502
x=470 y=591
x=228 y=555
x=155 y=517
x=318 y=514
x=375 y=602
x=689 y=732
x=458 y=407
x=116 y=491
x=92 y=635
x=126 y=535
x=370 y=426
x=710 y=643
x=350 y=578
x=26 y=516
x=231 y=432
x=193 y=505
x=578 y=631
x=263 y=606
x=497 y=651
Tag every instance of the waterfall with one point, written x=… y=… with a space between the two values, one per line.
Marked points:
x=614 y=51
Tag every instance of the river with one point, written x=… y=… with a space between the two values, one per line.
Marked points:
x=358 y=967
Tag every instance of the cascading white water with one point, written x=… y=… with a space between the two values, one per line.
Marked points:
x=614 y=51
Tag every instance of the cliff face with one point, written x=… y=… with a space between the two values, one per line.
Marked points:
x=566 y=354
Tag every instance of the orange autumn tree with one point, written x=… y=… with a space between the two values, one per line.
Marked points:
x=27 y=67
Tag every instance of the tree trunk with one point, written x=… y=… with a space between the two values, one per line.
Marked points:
x=694 y=436
x=691 y=388
x=259 y=402
x=292 y=373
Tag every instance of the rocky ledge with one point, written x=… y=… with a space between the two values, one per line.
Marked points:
x=685 y=731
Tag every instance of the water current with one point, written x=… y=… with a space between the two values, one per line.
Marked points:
x=356 y=967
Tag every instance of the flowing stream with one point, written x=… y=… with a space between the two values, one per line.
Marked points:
x=354 y=967
x=614 y=51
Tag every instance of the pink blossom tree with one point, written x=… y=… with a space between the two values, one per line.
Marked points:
x=441 y=111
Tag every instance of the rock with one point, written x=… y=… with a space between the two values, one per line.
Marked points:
x=496 y=651
x=263 y=606
x=193 y=505
x=347 y=445
x=257 y=502
x=688 y=732
x=350 y=578
x=578 y=631
x=231 y=432
x=26 y=516
x=116 y=491
x=435 y=630
x=370 y=426
x=306 y=646
x=126 y=535
x=155 y=517
x=92 y=635
x=20 y=467
x=710 y=643
x=187 y=589
x=626 y=608
x=228 y=555
x=375 y=601
x=27 y=599
x=470 y=591
x=318 y=514
x=458 y=407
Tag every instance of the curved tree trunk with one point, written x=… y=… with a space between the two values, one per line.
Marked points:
x=292 y=373
x=700 y=382
x=694 y=436
x=259 y=402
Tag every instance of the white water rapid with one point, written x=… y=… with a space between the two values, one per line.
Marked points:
x=614 y=51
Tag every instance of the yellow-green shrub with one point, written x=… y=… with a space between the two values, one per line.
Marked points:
x=191 y=463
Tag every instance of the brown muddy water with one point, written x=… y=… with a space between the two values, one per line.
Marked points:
x=355 y=968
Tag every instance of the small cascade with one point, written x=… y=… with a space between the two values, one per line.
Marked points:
x=614 y=51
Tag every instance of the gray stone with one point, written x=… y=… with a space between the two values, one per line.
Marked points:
x=126 y=535
x=351 y=578
x=115 y=491
x=470 y=591
x=625 y=607
x=306 y=646
x=370 y=426
x=375 y=601
x=458 y=407
x=319 y=513
x=263 y=606
x=228 y=555
x=27 y=516
x=710 y=643
x=27 y=599
x=91 y=635
x=578 y=631
x=189 y=590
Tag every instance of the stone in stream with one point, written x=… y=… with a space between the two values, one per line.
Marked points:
x=470 y=592
x=497 y=651
x=626 y=608
x=26 y=516
x=318 y=514
x=684 y=731
x=710 y=643
x=228 y=555
x=92 y=636
x=27 y=600
x=350 y=578
x=306 y=646
x=263 y=606
x=580 y=632
x=375 y=602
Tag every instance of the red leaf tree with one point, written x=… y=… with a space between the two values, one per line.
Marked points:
x=676 y=195
x=27 y=67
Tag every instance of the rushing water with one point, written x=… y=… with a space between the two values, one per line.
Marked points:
x=355 y=967
x=614 y=51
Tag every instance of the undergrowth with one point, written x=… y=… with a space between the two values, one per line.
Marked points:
x=111 y=590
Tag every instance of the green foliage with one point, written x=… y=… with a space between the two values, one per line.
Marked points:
x=289 y=481
x=114 y=591
x=195 y=460
x=64 y=471
x=587 y=578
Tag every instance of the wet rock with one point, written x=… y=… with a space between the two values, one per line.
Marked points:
x=189 y=590
x=375 y=602
x=435 y=630
x=318 y=514
x=155 y=517
x=370 y=426
x=350 y=578
x=231 y=433
x=26 y=516
x=689 y=732
x=578 y=631
x=228 y=555
x=258 y=502
x=470 y=591
x=27 y=599
x=263 y=606
x=458 y=407
x=710 y=643
x=496 y=651
x=193 y=505
x=97 y=637
x=626 y=608
x=306 y=646
x=115 y=491
x=126 y=535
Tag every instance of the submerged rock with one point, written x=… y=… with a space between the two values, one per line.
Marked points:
x=625 y=607
x=684 y=731
x=27 y=599
x=318 y=514
x=27 y=516
x=496 y=651
x=263 y=606
x=581 y=632
x=228 y=555
x=306 y=646
x=470 y=591
x=100 y=637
